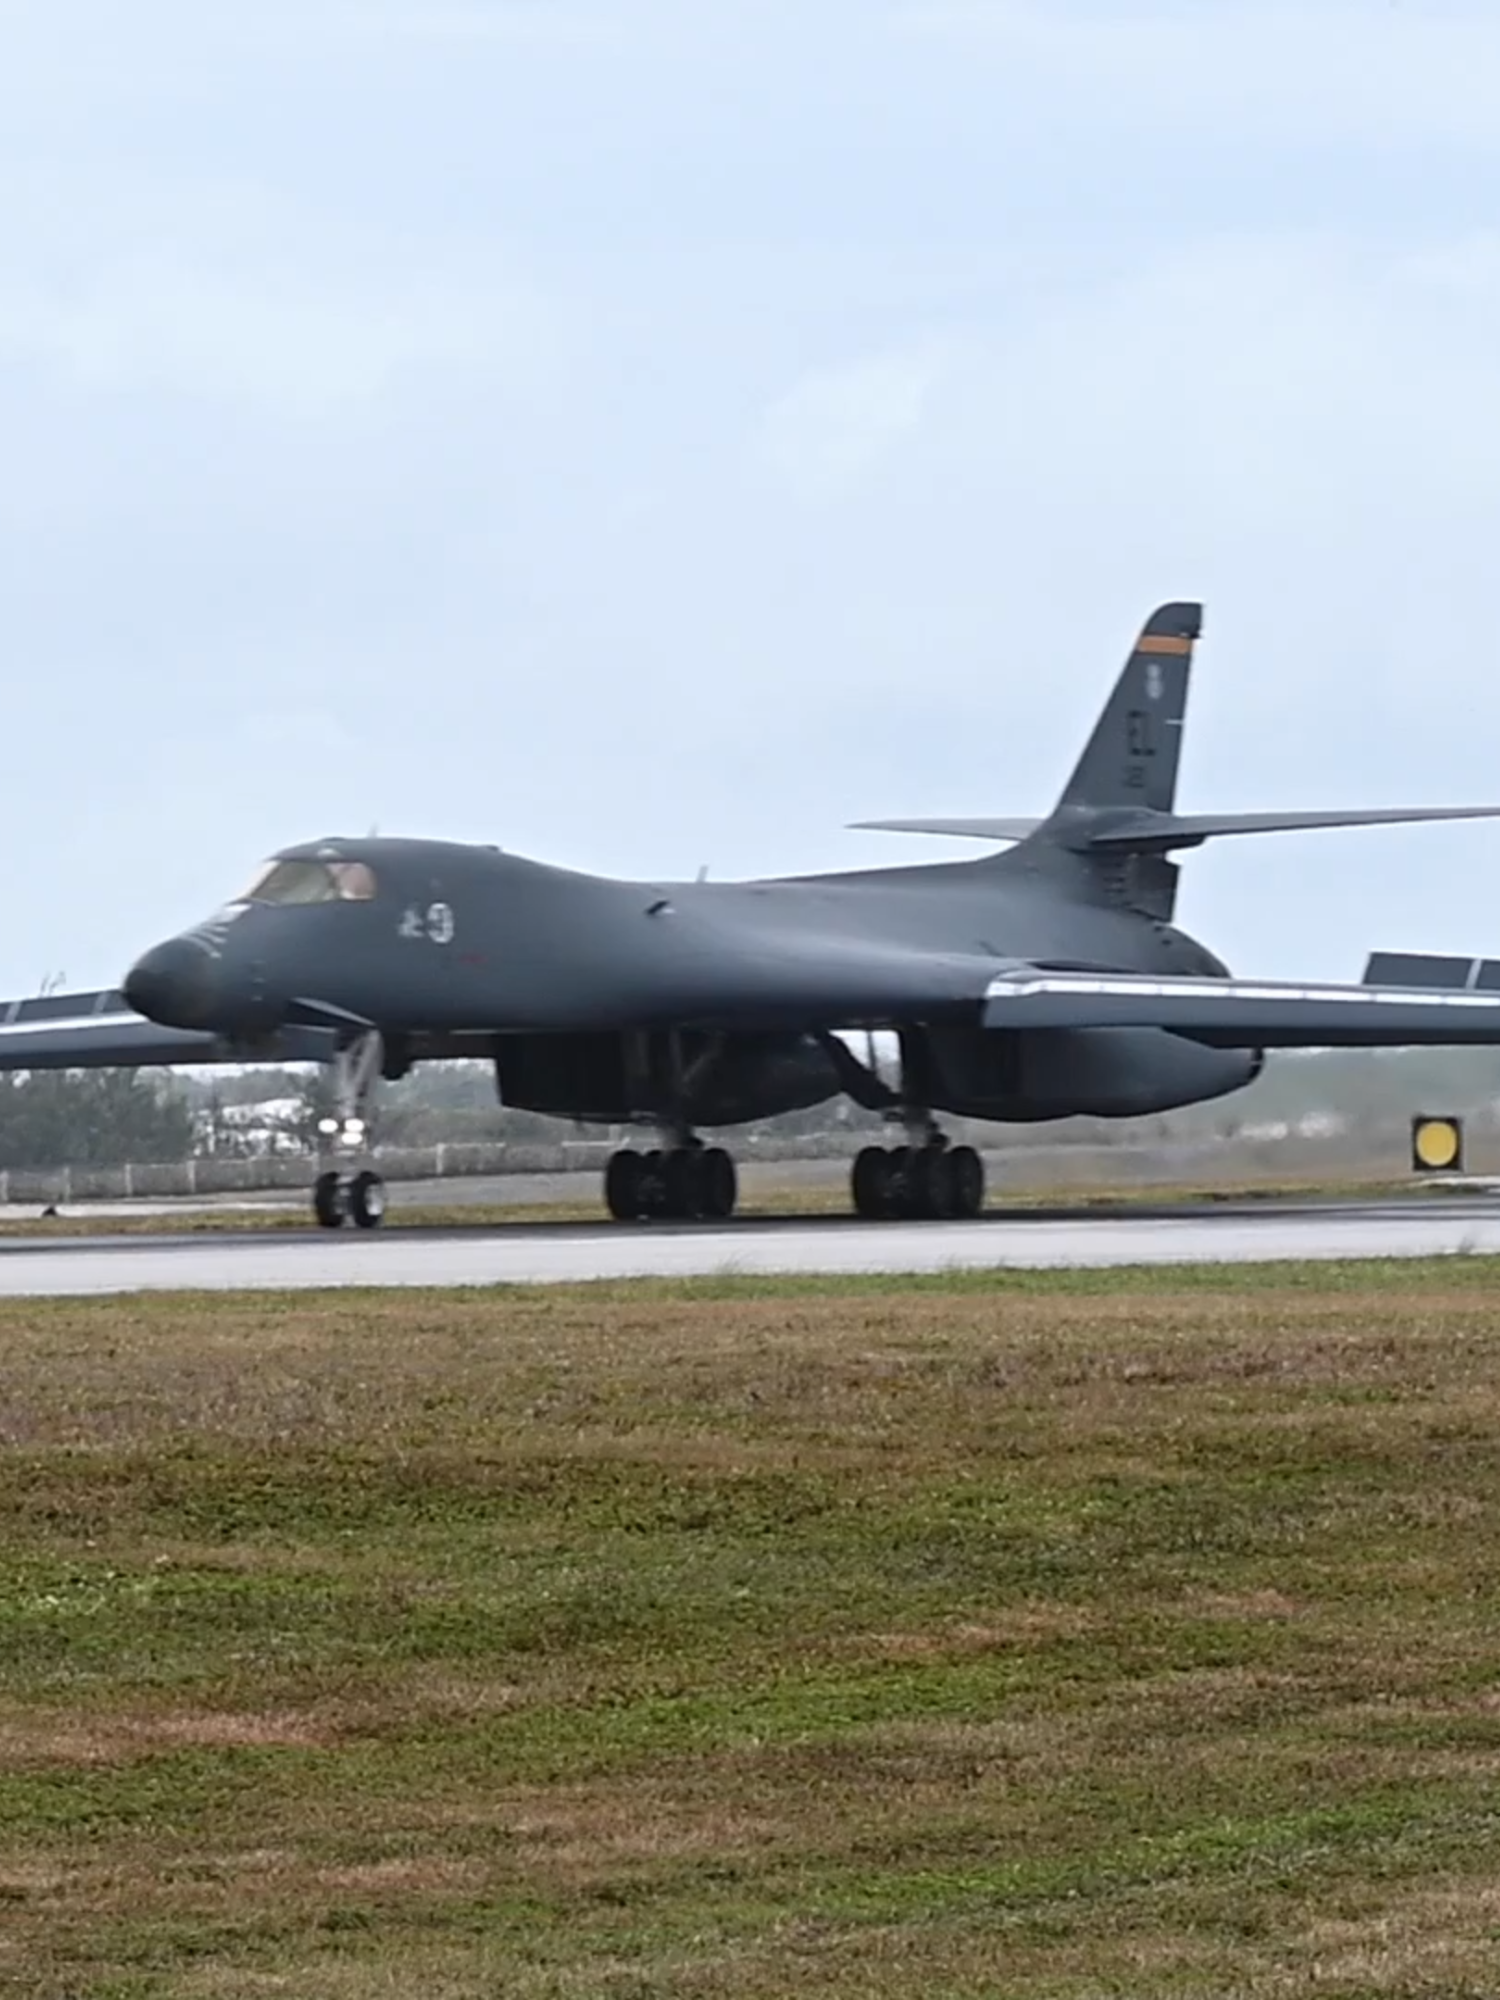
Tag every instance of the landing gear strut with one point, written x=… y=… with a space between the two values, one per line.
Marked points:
x=927 y=1179
x=682 y=1183
x=347 y=1188
x=682 y=1180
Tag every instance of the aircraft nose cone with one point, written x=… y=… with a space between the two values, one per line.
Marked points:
x=172 y=984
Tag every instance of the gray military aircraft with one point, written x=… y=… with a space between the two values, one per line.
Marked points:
x=1037 y=983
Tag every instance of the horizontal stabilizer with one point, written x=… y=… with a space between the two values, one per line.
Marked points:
x=1139 y=831
x=974 y=829
x=1244 y=1013
x=1187 y=829
x=1437 y=974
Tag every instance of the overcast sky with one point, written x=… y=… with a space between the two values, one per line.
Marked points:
x=649 y=433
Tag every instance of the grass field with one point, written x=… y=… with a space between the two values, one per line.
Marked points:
x=1105 y=1635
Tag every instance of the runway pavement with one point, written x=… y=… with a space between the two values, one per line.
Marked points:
x=515 y=1253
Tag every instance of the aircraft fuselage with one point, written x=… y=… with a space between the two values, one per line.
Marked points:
x=471 y=940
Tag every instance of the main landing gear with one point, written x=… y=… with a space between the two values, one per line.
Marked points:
x=683 y=1183
x=927 y=1179
x=929 y=1183
x=347 y=1188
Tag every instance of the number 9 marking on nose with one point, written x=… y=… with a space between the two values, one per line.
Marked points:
x=436 y=924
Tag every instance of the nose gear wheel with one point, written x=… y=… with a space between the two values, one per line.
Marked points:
x=328 y=1200
x=340 y=1198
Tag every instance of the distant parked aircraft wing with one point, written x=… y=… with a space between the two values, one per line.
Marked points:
x=1429 y=969
x=98 y=1031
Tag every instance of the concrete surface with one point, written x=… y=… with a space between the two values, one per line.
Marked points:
x=559 y=1252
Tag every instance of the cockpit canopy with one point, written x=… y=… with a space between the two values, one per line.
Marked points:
x=304 y=881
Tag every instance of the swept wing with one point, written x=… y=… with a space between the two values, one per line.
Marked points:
x=1243 y=1013
x=1442 y=1002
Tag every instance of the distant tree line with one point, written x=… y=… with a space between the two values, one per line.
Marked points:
x=92 y=1118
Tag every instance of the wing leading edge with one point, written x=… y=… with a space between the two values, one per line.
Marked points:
x=1244 y=1013
x=1443 y=1002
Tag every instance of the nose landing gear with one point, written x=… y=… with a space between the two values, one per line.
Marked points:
x=357 y=1198
x=347 y=1188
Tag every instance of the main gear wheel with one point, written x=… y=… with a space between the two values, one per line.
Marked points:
x=930 y=1183
x=678 y=1184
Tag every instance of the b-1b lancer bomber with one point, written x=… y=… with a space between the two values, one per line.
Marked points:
x=1040 y=982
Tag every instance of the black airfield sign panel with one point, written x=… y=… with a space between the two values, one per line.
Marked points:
x=1046 y=980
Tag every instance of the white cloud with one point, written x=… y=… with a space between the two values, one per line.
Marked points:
x=278 y=339
x=517 y=23
x=561 y=425
x=836 y=425
x=1467 y=271
x=1386 y=74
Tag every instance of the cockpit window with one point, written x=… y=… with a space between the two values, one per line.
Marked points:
x=356 y=882
x=312 y=882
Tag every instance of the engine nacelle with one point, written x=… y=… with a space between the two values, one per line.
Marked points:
x=727 y=1079
x=1030 y=1074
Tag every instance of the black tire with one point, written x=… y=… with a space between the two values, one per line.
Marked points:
x=869 y=1184
x=328 y=1201
x=719 y=1184
x=366 y=1200
x=968 y=1181
x=934 y=1192
x=682 y=1184
x=901 y=1184
x=653 y=1195
x=623 y=1177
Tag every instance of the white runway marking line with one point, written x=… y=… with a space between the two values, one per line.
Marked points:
x=513 y=1257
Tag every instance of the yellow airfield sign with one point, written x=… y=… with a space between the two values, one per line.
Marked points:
x=1437 y=1145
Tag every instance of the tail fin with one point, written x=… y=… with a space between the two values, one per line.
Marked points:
x=1131 y=758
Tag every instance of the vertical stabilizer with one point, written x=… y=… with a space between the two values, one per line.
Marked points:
x=1131 y=758
x=1114 y=811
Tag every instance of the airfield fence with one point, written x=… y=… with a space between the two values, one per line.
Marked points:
x=1200 y=1161
x=214 y=1174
